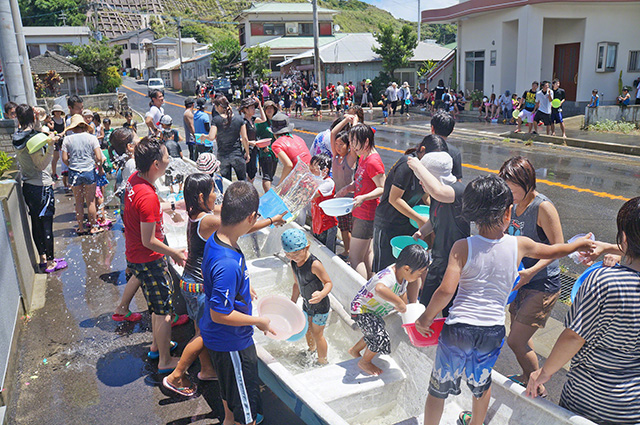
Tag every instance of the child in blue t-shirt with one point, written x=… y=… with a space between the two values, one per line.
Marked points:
x=227 y=327
x=482 y=268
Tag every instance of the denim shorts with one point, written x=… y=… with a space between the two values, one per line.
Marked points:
x=195 y=300
x=79 y=178
x=320 y=319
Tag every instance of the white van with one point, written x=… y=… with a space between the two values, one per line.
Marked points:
x=155 y=84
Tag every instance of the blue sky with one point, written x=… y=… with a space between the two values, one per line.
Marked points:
x=408 y=9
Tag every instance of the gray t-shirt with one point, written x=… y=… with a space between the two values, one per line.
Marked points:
x=391 y=93
x=81 y=148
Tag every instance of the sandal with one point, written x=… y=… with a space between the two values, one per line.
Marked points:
x=464 y=418
x=129 y=317
x=106 y=223
x=81 y=232
x=179 y=320
x=95 y=230
x=60 y=264
x=183 y=391
x=154 y=355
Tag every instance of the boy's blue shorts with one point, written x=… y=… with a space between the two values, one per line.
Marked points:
x=319 y=319
x=385 y=113
x=469 y=350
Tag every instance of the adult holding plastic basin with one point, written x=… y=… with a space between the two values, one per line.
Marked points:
x=288 y=147
x=534 y=216
x=445 y=216
x=230 y=131
x=402 y=192
x=37 y=187
x=367 y=187
x=343 y=168
x=266 y=158
x=601 y=337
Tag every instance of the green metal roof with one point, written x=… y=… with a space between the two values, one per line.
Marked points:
x=285 y=8
x=301 y=42
x=451 y=45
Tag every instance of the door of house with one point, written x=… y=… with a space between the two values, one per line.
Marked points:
x=474 y=71
x=565 y=67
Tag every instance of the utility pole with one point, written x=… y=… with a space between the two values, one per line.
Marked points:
x=140 y=57
x=63 y=18
x=180 y=49
x=25 y=66
x=419 y=20
x=10 y=56
x=316 y=50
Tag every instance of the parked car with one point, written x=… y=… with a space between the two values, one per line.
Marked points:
x=222 y=86
x=155 y=84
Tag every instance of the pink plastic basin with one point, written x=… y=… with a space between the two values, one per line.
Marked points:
x=419 y=340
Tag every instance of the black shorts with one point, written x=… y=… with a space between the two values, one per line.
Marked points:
x=239 y=382
x=268 y=165
x=556 y=117
x=374 y=332
x=252 y=165
x=542 y=117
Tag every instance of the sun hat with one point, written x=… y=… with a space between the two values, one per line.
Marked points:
x=248 y=102
x=439 y=164
x=293 y=240
x=76 y=121
x=86 y=112
x=41 y=113
x=368 y=81
x=405 y=84
x=57 y=108
x=208 y=163
x=280 y=124
x=166 y=120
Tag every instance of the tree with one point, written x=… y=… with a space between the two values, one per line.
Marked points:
x=258 y=61
x=99 y=59
x=225 y=51
x=53 y=12
x=51 y=82
x=38 y=87
x=395 y=50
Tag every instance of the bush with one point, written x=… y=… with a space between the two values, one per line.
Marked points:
x=6 y=163
x=613 y=127
x=110 y=80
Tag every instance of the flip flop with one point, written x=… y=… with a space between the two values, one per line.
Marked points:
x=107 y=223
x=129 y=317
x=183 y=391
x=259 y=418
x=95 y=230
x=154 y=355
x=515 y=379
x=81 y=232
x=60 y=264
x=179 y=320
x=464 y=418
x=166 y=371
x=206 y=380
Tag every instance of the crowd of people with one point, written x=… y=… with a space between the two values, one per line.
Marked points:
x=464 y=278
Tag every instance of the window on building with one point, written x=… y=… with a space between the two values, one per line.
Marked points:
x=493 y=58
x=134 y=46
x=125 y=46
x=607 y=55
x=53 y=48
x=474 y=71
x=305 y=28
x=325 y=28
x=634 y=61
x=241 y=35
x=34 y=50
x=274 y=29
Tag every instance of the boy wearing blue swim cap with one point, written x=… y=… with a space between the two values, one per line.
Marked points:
x=313 y=283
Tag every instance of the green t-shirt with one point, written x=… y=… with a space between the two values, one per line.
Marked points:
x=263 y=131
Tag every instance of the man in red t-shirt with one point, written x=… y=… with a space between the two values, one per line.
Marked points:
x=287 y=147
x=145 y=250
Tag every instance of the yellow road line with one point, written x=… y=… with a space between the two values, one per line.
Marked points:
x=543 y=181
x=473 y=167
x=167 y=102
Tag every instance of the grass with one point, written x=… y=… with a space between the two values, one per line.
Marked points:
x=609 y=126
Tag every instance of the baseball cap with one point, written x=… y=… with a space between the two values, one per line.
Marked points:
x=293 y=240
x=166 y=120
x=201 y=102
x=208 y=163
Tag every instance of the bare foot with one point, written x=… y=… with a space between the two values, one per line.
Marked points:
x=312 y=348
x=369 y=368
x=322 y=360
x=173 y=362
x=207 y=376
x=354 y=353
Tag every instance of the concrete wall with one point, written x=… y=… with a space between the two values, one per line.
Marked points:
x=7 y=127
x=612 y=113
x=539 y=28
x=95 y=101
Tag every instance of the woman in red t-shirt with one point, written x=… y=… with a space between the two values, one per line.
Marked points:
x=367 y=187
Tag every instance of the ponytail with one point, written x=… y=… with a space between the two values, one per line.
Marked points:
x=431 y=143
x=223 y=102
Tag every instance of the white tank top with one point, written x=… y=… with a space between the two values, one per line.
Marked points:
x=486 y=281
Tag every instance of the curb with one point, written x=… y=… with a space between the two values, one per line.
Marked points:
x=576 y=143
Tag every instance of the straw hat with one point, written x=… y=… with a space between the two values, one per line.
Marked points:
x=77 y=121
x=41 y=113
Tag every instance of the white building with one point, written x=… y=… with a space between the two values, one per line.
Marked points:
x=162 y=54
x=53 y=39
x=133 y=48
x=507 y=44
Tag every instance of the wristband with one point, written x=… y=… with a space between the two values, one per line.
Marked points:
x=271 y=221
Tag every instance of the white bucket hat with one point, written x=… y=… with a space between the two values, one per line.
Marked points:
x=440 y=165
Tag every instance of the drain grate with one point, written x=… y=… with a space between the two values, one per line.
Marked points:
x=566 y=285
